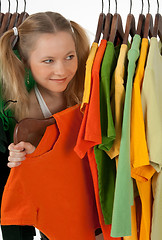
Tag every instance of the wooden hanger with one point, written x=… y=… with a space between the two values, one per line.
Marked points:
x=108 y=22
x=100 y=26
x=148 y=28
x=157 y=30
x=5 y=21
x=141 y=23
x=14 y=18
x=1 y=15
x=116 y=27
x=31 y=130
x=107 y=27
x=22 y=15
x=1 y=18
x=130 y=28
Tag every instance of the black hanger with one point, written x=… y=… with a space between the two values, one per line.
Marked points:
x=5 y=21
x=14 y=17
x=148 y=29
x=130 y=28
x=108 y=22
x=100 y=25
x=157 y=30
x=116 y=27
x=141 y=23
x=23 y=15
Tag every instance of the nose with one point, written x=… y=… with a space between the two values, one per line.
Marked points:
x=59 y=68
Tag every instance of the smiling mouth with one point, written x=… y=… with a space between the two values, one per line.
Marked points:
x=59 y=80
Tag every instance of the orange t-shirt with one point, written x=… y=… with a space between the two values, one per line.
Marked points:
x=90 y=133
x=90 y=130
x=53 y=188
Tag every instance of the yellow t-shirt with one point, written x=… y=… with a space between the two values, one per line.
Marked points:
x=141 y=170
x=87 y=81
x=151 y=97
x=117 y=99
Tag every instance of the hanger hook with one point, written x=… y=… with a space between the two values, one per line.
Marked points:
x=130 y=6
x=116 y=6
x=148 y=6
x=142 y=7
x=157 y=6
x=16 y=6
x=9 y=5
x=25 y=5
x=4 y=109
x=0 y=5
x=109 y=6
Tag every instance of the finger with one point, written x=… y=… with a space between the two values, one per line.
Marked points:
x=17 y=154
x=15 y=148
x=12 y=159
x=29 y=148
x=13 y=164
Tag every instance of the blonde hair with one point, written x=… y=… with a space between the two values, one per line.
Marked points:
x=13 y=69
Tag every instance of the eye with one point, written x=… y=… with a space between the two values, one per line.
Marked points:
x=70 y=57
x=48 y=61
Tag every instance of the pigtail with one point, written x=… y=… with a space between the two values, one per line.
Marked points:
x=74 y=91
x=12 y=77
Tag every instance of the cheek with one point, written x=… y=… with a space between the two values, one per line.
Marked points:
x=74 y=67
x=38 y=71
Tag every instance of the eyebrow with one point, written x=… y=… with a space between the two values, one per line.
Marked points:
x=70 y=52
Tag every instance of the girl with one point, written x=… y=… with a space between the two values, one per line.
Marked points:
x=55 y=51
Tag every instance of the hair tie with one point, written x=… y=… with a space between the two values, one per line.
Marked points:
x=72 y=29
x=15 y=31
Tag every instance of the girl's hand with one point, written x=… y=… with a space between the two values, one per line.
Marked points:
x=18 y=152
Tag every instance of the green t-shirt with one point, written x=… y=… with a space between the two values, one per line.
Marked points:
x=106 y=166
x=123 y=199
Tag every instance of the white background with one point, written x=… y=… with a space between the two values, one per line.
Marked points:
x=84 y=12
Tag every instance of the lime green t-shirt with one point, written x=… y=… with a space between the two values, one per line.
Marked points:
x=106 y=167
x=123 y=199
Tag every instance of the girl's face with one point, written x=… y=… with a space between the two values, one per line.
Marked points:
x=53 y=61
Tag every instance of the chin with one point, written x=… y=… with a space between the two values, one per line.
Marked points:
x=59 y=90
